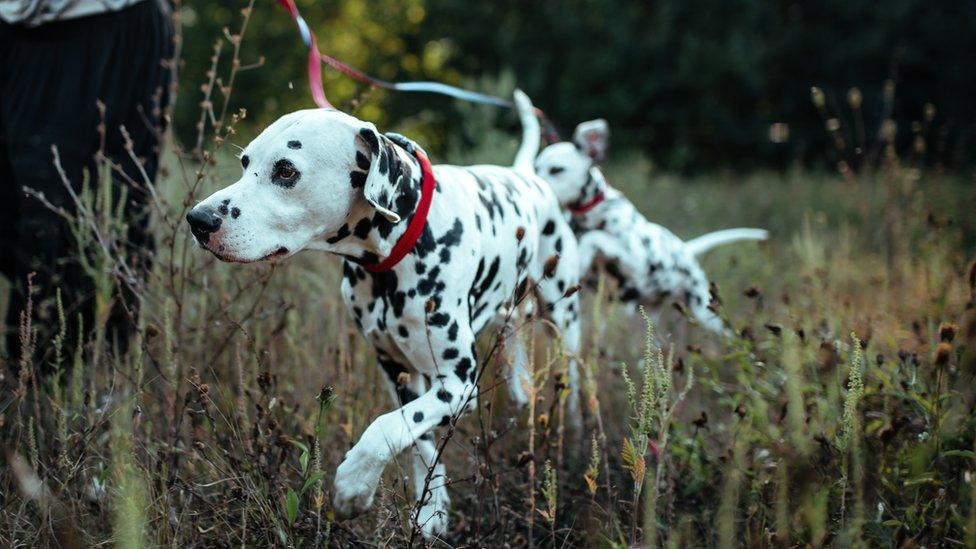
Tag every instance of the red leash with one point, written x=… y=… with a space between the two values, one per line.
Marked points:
x=314 y=66
x=417 y=223
x=315 y=58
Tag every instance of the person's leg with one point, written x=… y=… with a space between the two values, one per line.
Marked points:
x=137 y=100
x=49 y=98
x=8 y=226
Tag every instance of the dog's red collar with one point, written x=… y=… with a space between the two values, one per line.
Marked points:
x=417 y=223
x=583 y=208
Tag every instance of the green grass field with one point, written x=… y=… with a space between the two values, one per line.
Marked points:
x=841 y=415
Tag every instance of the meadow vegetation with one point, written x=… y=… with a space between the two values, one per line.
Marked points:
x=840 y=414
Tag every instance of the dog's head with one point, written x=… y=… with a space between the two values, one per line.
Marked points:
x=567 y=167
x=304 y=178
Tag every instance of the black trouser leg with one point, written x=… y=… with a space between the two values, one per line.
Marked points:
x=54 y=77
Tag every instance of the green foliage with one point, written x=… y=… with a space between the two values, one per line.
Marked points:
x=695 y=85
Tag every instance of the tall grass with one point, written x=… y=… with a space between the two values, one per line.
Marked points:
x=222 y=421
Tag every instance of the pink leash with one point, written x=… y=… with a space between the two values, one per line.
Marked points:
x=316 y=58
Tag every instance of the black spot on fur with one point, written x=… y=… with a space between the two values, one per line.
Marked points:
x=294 y=144
x=245 y=161
x=630 y=294
x=450 y=353
x=362 y=162
x=362 y=228
x=444 y=396
x=444 y=421
x=418 y=417
x=357 y=179
x=463 y=367
x=235 y=212
x=343 y=232
x=549 y=228
x=439 y=319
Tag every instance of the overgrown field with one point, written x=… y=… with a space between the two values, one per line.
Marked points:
x=842 y=413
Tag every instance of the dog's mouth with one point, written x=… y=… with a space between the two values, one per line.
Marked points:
x=277 y=254
x=224 y=255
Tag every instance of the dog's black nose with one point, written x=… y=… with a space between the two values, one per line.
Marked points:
x=203 y=222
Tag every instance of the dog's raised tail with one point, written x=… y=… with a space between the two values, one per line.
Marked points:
x=525 y=158
x=708 y=241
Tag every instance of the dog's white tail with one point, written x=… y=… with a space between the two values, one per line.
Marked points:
x=525 y=158
x=708 y=241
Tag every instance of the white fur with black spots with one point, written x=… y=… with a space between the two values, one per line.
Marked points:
x=651 y=265
x=323 y=180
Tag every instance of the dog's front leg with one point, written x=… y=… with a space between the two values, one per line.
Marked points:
x=451 y=365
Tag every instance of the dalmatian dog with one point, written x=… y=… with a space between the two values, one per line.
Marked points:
x=651 y=265
x=431 y=257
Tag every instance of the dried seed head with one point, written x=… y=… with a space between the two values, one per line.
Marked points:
x=431 y=306
x=751 y=292
x=947 y=332
x=153 y=330
x=740 y=411
x=833 y=124
x=403 y=379
x=550 y=267
x=544 y=420
x=571 y=290
x=854 y=98
x=929 y=111
x=326 y=393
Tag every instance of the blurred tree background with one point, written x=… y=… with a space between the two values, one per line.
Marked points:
x=694 y=85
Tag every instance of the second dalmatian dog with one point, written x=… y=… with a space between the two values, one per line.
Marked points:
x=432 y=256
x=651 y=265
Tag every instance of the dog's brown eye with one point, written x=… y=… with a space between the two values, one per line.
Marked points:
x=556 y=170
x=284 y=173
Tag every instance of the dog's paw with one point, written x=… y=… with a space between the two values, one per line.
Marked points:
x=355 y=483
x=432 y=518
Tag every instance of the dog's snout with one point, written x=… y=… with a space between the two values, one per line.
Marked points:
x=203 y=222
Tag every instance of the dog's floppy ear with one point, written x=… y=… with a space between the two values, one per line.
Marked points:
x=593 y=138
x=387 y=176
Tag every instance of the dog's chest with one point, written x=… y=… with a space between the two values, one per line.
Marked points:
x=479 y=243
